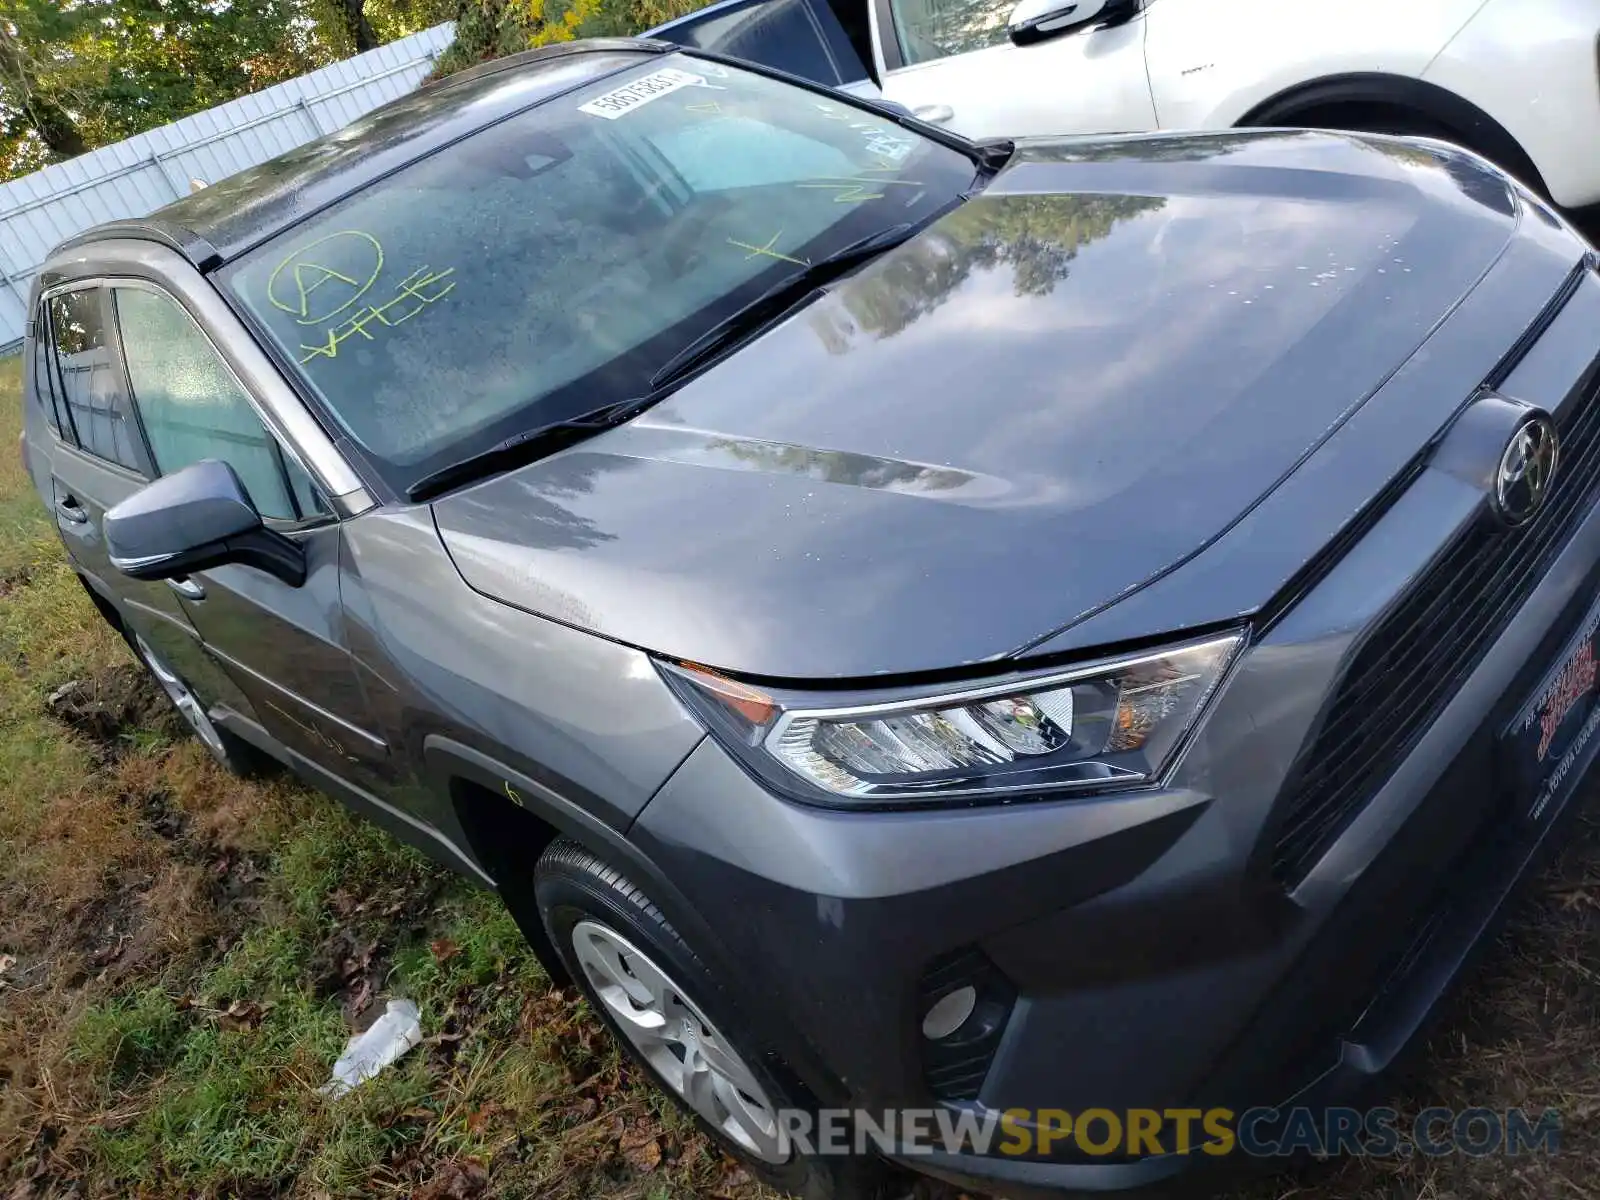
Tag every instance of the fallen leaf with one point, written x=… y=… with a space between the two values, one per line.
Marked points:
x=734 y=1180
x=444 y=949
x=636 y=1135
x=240 y=1015
x=643 y=1158
x=361 y=1000
x=455 y=1181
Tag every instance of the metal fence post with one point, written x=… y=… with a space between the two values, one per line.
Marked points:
x=179 y=190
x=311 y=118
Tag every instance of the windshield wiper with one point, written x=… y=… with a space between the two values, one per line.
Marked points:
x=532 y=444
x=775 y=301
x=525 y=447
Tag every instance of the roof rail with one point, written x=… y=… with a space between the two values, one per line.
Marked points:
x=556 y=50
x=186 y=242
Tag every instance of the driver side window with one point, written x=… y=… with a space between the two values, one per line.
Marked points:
x=933 y=29
x=193 y=408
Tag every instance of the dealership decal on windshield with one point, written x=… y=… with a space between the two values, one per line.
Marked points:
x=623 y=100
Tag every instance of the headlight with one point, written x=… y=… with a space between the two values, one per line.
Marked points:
x=1114 y=723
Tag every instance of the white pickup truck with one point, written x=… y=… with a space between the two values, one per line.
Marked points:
x=1515 y=80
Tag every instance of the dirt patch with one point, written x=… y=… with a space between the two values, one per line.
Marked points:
x=349 y=967
x=96 y=929
x=158 y=814
x=10 y=581
x=352 y=963
x=235 y=881
x=110 y=705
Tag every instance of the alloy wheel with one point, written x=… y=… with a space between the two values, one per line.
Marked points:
x=183 y=700
x=673 y=1035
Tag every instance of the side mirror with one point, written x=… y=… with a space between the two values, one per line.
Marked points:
x=1035 y=20
x=194 y=519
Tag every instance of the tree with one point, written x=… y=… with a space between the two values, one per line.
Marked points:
x=75 y=74
x=487 y=29
x=354 y=26
x=32 y=98
x=87 y=72
x=359 y=26
x=148 y=62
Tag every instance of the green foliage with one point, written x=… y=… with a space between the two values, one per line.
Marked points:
x=350 y=26
x=76 y=74
x=130 y=1036
x=83 y=73
x=488 y=29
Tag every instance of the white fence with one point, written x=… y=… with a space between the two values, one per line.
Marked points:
x=140 y=175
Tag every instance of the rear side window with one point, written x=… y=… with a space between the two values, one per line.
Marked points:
x=191 y=404
x=39 y=364
x=87 y=379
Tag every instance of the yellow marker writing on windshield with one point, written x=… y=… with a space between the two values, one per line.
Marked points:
x=310 y=288
x=767 y=250
x=414 y=293
x=855 y=190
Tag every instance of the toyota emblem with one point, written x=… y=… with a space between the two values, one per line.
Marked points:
x=1527 y=467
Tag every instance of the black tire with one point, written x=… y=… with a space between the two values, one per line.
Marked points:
x=573 y=886
x=1402 y=124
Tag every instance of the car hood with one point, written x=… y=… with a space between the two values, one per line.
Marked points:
x=1052 y=396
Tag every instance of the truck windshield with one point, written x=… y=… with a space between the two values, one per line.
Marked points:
x=550 y=263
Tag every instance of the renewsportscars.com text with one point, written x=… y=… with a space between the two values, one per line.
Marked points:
x=1097 y=1132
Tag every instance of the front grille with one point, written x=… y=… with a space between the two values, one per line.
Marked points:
x=1426 y=646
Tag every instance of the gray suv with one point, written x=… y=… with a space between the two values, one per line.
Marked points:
x=906 y=624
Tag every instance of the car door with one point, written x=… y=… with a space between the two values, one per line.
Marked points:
x=952 y=62
x=283 y=647
x=827 y=43
x=97 y=458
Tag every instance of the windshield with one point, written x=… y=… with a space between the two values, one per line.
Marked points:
x=550 y=263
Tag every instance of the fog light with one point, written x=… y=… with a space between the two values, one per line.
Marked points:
x=950 y=1013
x=965 y=1004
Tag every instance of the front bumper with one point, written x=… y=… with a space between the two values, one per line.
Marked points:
x=1157 y=960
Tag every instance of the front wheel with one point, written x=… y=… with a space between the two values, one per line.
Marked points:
x=233 y=755
x=661 y=1003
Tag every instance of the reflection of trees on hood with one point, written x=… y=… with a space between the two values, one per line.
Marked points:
x=841 y=466
x=1036 y=237
x=525 y=508
x=1201 y=146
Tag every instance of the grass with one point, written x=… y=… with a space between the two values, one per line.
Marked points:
x=183 y=955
